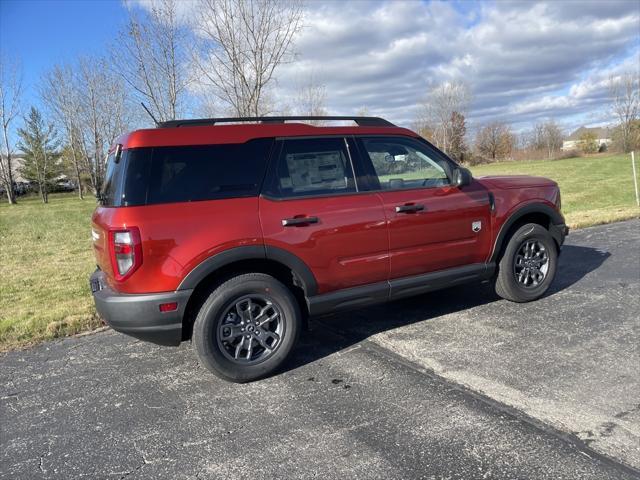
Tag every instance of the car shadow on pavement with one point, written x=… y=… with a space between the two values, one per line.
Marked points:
x=576 y=262
x=332 y=333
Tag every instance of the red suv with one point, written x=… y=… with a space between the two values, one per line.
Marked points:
x=233 y=235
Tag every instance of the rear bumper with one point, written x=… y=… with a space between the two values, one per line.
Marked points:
x=139 y=315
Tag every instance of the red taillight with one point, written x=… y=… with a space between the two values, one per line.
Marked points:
x=126 y=252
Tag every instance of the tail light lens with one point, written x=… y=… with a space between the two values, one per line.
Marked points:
x=126 y=252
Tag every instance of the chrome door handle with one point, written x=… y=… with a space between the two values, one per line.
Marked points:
x=299 y=221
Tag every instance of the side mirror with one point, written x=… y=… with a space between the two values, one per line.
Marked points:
x=389 y=158
x=462 y=177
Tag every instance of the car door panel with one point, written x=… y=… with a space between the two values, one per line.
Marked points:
x=433 y=225
x=441 y=235
x=346 y=243
x=347 y=247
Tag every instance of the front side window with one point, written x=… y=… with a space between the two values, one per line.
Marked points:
x=308 y=167
x=403 y=163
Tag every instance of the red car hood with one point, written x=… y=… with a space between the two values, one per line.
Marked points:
x=515 y=181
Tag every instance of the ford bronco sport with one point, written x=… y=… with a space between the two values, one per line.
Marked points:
x=232 y=232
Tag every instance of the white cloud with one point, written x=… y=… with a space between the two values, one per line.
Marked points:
x=524 y=61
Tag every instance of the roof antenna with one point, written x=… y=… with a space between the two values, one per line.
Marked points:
x=150 y=114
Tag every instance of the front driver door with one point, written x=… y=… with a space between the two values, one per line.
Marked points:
x=432 y=225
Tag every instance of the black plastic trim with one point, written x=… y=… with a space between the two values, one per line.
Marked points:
x=554 y=215
x=360 y=121
x=348 y=298
x=381 y=292
x=139 y=315
x=295 y=264
x=416 y=285
x=559 y=233
x=257 y=252
x=219 y=260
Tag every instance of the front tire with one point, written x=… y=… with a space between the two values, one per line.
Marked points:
x=528 y=266
x=247 y=327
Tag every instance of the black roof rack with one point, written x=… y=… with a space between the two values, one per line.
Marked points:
x=360 y=121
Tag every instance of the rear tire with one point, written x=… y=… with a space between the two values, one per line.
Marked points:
x=528 y=266
x=247 y=327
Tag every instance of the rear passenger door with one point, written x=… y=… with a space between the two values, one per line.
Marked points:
x=312 y=206
x=433 y=225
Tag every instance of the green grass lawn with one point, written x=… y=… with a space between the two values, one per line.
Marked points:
x=46 y=255
x=594 y=190
x=46 y=258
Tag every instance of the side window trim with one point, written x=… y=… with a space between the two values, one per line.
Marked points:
x=353 y=171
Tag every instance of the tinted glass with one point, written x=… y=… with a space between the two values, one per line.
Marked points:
x=110 y=194
x=308 y=167
x=192 y=173
x=403 y=163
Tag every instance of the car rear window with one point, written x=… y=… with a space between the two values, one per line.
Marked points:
x=193 y=173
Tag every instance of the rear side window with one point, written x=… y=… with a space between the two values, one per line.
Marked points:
x=193 y=173
x=110 y=193
x=308 y=167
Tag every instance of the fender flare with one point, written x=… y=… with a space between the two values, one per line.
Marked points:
x=555 y=217
x=256 y=252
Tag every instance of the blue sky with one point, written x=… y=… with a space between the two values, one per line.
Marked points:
x=41 y=33
x=524 y=61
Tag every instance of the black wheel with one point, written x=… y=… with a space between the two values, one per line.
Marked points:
x=247 y=327
x=528 y=265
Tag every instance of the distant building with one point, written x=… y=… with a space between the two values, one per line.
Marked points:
x=601 y=134
x=17 y=159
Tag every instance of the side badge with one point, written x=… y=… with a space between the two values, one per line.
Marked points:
x=476 y=226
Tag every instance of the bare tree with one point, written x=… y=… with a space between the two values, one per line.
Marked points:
x=437 y=111
x=60 y=93
x=495 y=141
x=104 y=114
x=363 y=111
x=552 y=137
x=150 y=56
x=625 y=102
x=10 y=96
x=243 y=43
x=546 y=136
x=311 y=100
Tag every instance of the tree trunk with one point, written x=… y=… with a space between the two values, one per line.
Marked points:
x=8 y=175
x=77 y=169
x=11 y=198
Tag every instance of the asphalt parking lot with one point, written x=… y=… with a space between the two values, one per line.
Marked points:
x=454 y=384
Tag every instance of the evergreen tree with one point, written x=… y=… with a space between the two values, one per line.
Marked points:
x=40 y=145
x=457 y=146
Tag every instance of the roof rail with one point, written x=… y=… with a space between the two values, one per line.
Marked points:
x=360 y=121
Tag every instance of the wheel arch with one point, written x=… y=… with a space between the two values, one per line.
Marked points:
x=539 y=213
x=280 y=264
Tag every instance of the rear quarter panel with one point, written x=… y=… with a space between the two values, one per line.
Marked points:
x=176 y=237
